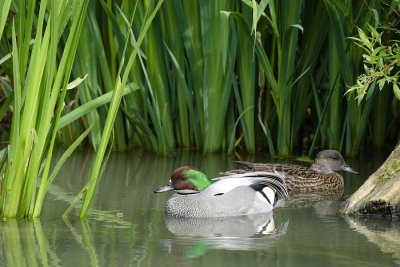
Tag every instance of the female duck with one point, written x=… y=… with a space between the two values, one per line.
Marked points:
x=233 y=195
x=320 y=177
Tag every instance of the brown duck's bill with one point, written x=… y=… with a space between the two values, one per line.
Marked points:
x=346 y=168
x=165 y=188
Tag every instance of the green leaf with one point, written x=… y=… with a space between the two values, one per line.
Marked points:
x=67 y=154
x=75 y=83
x=376 y=17
x=396 y=91
x=364 y=37
x=5 y=7
x=381 y=83
x=91 y=105
x=298 y=26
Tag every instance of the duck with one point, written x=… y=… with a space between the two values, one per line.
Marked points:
x=321 y=177
x=242 y=194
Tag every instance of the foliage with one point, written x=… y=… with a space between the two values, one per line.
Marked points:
x=381 y=64
x=120 y=83
x=210 y=75
x=40 y=80
x=226 y=76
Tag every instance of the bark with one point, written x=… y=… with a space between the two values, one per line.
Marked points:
x=380 y=194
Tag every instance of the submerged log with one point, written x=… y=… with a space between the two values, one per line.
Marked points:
x=380 y=194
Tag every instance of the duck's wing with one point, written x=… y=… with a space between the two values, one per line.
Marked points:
x=293 y=175
x=257 y=180
x=303 y=179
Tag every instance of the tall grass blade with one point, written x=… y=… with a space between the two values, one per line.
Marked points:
x=247 y=70
x=36 y=94
x=46 y=182
x=92 y=105
x=218 y=76
x=5 y=8
x=119 y=85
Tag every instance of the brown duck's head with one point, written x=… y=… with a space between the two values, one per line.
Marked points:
x=328 y=161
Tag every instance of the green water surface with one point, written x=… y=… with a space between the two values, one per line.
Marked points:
x=127 y=225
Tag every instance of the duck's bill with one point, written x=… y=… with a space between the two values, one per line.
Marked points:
x=346 y=168
x=165 y=188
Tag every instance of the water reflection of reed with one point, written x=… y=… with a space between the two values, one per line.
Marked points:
x=64 y=243
x=25 y=244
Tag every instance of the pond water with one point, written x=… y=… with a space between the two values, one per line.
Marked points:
x=127 y=225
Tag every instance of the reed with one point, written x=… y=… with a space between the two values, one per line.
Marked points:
x=5 y=8
x=37 y=79
x=122 y=78
x=198 y=71
x=209 y=75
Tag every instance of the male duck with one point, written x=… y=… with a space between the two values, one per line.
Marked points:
x=320 y=177
x=233 y=195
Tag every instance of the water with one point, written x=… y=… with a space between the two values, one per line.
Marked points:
x=127 y=226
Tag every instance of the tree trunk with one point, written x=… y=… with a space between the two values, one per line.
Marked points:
x=380 y=194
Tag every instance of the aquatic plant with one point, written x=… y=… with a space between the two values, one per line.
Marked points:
x=205 y=75
x=40 y=81
x=218 y=76
x=213 y=75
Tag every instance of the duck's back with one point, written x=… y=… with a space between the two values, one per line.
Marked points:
x=298 y=178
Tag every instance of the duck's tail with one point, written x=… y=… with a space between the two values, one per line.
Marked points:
x=271 y=180
x=261 y=180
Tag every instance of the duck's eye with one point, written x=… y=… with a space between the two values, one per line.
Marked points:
x=184 y=178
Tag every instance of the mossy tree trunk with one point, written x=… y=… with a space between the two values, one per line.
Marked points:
x=380 y=194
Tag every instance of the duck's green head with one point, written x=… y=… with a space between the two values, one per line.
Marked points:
x=186 y=179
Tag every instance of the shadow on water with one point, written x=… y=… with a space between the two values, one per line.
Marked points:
x=127 y=225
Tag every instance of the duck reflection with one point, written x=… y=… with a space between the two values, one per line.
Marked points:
x=327 y=207
x=311 y=199
x=253 y=232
